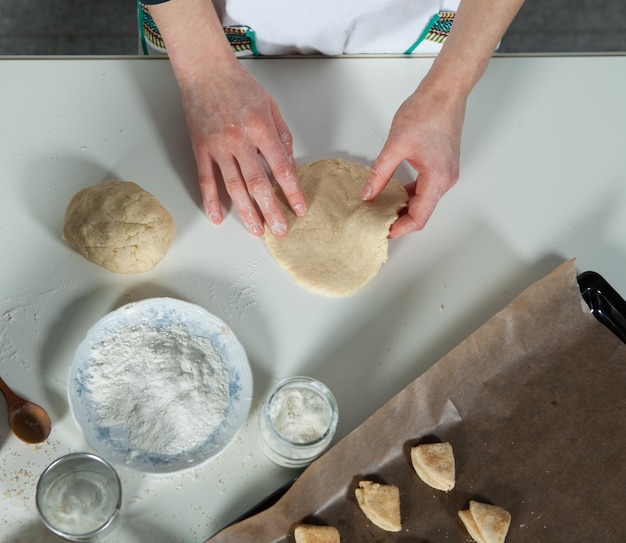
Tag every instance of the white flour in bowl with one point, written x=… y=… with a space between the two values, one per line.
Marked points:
x=167 y=388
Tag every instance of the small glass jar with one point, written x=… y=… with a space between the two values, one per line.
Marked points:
x=297 y=421
x=79 y=497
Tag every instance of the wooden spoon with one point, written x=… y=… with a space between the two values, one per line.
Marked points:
x=28 y=421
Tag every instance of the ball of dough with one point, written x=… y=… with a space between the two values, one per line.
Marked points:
x=119 y=226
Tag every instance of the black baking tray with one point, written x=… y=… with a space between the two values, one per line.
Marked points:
x=604 y=301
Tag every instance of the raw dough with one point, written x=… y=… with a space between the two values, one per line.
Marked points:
x=119 y=226
x=341 y=243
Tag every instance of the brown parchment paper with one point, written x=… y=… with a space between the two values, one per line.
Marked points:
x=534 y=405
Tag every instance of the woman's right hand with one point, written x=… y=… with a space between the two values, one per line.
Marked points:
x=235 y=126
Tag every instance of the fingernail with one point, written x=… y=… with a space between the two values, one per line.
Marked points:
x=366 y=192
x=213 y=215
x=279 y=229
x=256 y=229
x=299 y=210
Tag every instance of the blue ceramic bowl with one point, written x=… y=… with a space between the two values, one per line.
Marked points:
x=112 y=439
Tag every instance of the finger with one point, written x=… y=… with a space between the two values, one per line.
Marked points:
x=208 y=190
x=260 y=187
x=413 y=220
x=238 y=192
x=404 y=225
x=280 y=160
x=419 y=210
x=283 y=169
x=281 y=127
x=381 y=172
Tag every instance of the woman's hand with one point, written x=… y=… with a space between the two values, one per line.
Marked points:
x=426 y=132
x=235 y=127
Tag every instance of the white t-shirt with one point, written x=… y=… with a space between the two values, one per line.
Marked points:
x=338 y=27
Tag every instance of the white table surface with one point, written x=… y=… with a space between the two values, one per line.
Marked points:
x=543 y=179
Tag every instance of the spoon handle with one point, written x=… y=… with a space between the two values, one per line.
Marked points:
x=8 y=394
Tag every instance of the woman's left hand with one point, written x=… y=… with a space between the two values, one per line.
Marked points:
x=426 y=132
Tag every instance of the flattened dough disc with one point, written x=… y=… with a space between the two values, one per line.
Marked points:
x=341 y=243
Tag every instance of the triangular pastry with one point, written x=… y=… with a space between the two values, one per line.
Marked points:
x=486 y=523
x=434 y=464
x=381 y=504
x=311 y=533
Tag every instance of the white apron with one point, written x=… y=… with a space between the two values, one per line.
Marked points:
x=336 y=27
x=327 y=27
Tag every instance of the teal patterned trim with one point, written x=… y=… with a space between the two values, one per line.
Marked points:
x=433 y=21
x=148 y=29
x=242 y=39
x=440 y=30
x=436 y=30
x=140 y=20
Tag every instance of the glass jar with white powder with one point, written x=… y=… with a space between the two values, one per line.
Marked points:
x=297 y=421
x=79 y=497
